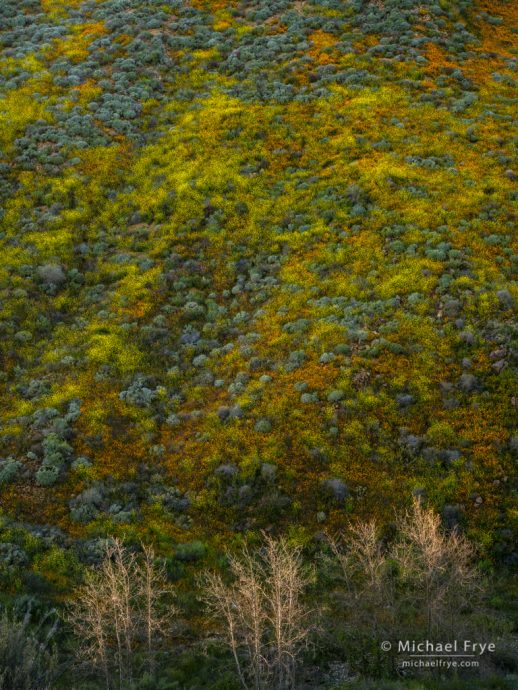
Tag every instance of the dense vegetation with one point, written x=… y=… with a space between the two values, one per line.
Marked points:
x=258 y=273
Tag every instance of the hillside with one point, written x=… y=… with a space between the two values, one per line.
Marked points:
x=258 y=272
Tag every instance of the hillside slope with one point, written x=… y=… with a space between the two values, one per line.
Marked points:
x=258 y=269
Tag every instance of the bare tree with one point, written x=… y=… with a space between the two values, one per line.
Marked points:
x=370 y=593
x=421 y=582
x=117 y=571
x=152 y=589
x=436 y=568
x=119 y=605
x=88 y=615
x=288 y=614
x=265 y=621
x=240 y=606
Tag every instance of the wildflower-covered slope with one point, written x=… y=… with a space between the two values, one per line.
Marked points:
x=257 y=267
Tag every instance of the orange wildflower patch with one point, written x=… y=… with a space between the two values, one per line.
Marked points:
x=366 y=42
x=93 y=29
x=437 y=58
x=321 y=40
x=75 y=46
x=497 y=39
x=87 y=91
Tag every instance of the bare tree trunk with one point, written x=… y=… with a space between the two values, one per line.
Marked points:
x=152 y=588
x=115 y=571
x=249 y=597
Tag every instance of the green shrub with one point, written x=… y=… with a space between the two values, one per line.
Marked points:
x=8 y=470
